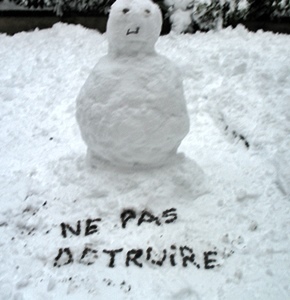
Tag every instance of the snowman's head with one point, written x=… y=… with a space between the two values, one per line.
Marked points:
x=133 y=27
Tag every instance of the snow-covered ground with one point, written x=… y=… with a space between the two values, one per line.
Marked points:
x=228 y=193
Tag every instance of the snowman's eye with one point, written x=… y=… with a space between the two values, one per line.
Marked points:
x=126 y=10
x=147 y=11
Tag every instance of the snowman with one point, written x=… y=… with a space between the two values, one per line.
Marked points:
x=131 y=110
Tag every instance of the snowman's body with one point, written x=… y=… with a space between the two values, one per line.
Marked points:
x=131 y=110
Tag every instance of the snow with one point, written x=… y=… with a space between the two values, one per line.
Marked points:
x=180 y=20
x=180 y=14
x=230 y=198
x=205 y=14
x=131 y=110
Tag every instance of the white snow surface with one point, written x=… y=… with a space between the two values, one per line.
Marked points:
x=131 y=110
x=229 y=198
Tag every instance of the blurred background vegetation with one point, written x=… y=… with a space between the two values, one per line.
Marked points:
x=183 y=15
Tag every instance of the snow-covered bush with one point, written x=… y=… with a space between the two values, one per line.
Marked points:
x=61 y=6
x=184 y=15
x=191 y=15
x=269 y=9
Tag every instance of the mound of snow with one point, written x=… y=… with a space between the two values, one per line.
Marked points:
x=226 y=204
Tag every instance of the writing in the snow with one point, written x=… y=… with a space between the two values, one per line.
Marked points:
x=173 y=255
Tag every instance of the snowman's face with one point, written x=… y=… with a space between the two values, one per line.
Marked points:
x=133 y=26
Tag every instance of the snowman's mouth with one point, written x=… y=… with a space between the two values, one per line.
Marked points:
x=136 y=31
